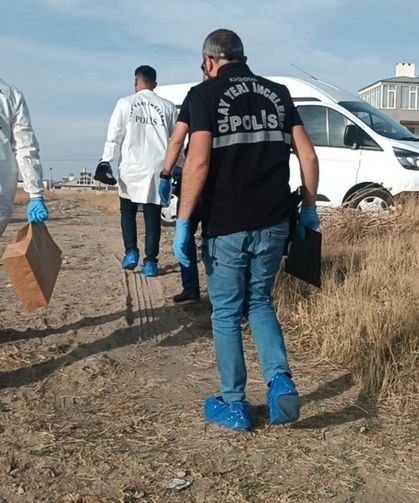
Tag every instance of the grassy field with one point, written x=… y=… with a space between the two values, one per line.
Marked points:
x=102 y=391
x=366 y=315
x=108 y=200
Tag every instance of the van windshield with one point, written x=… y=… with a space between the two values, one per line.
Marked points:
x=378 y=121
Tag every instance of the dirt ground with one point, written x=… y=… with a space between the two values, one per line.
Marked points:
x=101 y=397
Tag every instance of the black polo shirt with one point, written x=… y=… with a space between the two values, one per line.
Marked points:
x=183 y=115
x=250 y=119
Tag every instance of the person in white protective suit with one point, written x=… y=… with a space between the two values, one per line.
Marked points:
x=19 y=151
x=138 y=135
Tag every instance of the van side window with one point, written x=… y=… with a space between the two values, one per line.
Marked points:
x=326 y=127
x=337 y=125
x=315 y=123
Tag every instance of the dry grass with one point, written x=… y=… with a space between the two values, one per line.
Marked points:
x=98 y=410
x=107 y=200
x=366 y=316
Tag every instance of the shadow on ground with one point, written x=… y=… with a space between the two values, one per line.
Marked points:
x=165 y=321
x=11 y=335
x=363 y=407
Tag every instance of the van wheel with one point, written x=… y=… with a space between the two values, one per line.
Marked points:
x=168 y=215
x=370 y=199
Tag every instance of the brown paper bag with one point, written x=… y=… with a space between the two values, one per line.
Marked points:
x=32 y=261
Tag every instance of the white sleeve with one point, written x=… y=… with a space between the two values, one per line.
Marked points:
x=116 y=134
x=173 y=119
x=26 y=149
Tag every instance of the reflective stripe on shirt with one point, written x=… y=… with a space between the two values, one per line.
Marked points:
x=250 y=137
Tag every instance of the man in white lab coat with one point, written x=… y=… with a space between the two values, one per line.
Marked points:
x=19 y=151
x=138 y=135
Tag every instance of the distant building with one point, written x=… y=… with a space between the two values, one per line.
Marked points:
x=397 y=96
x=68 y=178
x=84 y=182
x=21 y=185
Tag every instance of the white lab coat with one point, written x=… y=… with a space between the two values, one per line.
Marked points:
x=138 y=134
x=19 y=150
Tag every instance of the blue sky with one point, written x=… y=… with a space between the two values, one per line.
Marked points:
x=74 y=58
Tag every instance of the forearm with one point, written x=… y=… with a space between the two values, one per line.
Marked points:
x=195 y=172
x=175 y=147
x=310 y=179
x=193 y=180
x=27 y=157
x=172 y=155
x=309 y=164
x=111 y=152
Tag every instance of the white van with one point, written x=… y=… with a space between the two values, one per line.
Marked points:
x=365 y=157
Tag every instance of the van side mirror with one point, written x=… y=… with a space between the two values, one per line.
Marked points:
x=353 y=136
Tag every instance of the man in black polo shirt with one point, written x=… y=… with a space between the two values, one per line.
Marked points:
x=242 y=127
x=189 y=275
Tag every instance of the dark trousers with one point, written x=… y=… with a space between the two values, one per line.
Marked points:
x=151 y=213
x=189 y=275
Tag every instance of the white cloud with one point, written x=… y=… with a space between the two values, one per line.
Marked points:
x=71 y=91
x=184 y=23
x=274 y=33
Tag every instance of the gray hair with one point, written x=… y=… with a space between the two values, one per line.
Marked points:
x=223 y=44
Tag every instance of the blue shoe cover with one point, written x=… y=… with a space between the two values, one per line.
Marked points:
x=150 y=269
x=233 y=415
x=130 y=260
x=283 y=401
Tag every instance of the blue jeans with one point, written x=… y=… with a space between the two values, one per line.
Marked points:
x=241 y=270
x=151 y=213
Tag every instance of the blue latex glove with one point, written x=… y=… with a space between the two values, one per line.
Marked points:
x=308 y=218
x=37 y=211
x=180 y=243
x=164 y=192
